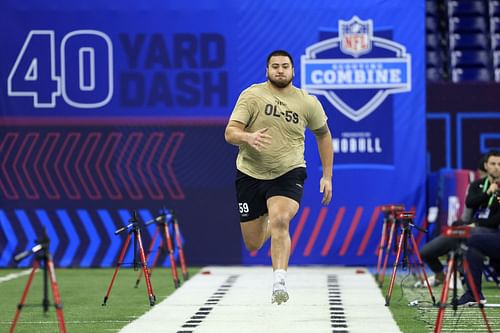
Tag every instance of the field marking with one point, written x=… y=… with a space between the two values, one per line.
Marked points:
x=323 y=299
x=13 y=276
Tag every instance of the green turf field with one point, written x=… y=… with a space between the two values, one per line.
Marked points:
x=82 y=293
x=421 y=317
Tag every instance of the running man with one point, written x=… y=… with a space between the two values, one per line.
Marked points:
x=268 y=124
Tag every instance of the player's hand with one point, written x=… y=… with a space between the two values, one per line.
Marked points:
x=259 y=140
x=325 y=187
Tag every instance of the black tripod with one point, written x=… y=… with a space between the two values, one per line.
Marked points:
x=389 y=226
x=406 y=221
x=180 y=249
x=164 y=221
x=42 y=258
x=163 y=228
x=456 y=257
x=133 y=228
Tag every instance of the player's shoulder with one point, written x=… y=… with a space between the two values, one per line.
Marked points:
x=308 y=98
x=254 y=88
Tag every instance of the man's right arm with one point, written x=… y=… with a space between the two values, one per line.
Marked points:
x=235 y=134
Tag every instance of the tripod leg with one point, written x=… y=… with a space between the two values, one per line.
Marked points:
x=118 y=264
x=421 y=264
x=150 y=250
x=444 y=294
x=152 y=297
x=475 y=292
x=56 y=295
x=178 y=242
x=23 y=297
x=394 y=268
x=170 y=248
x=387 y=253
x=156 y=258
x=381 y=247
x=45 y=301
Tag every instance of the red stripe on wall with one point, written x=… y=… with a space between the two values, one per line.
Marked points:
x=300 y=227
x=352 y=229
x=317 y=228
x=333 y=232
x=369 y=230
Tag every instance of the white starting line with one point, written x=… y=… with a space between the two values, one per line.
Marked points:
x=238 y=300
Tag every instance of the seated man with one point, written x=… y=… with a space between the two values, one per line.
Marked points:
x=485 y=216
x=485 y=244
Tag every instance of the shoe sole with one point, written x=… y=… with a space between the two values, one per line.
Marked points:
x=483 y=302
x=424 y=285
x=279 y=297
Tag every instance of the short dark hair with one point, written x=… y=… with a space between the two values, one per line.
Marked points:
x=481 y=163
x=279 y=53
x=493 y=152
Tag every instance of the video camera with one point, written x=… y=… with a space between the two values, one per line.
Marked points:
x=458 y=232
x=390 y=211
x=392 y=208
x=406 y=215
x=42 y=245
x=406 y=218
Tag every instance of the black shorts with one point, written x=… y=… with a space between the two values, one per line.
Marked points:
x=252 y=193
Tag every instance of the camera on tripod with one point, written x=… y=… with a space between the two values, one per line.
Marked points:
x=458 y=232
x=43 y=259
x=42 y=246
x=390 y=211
x=406 y=218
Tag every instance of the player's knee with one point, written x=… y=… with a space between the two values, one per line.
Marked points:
x=252 y=245
x=280 y=222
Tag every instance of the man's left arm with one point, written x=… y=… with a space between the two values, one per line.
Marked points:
x=325 y=148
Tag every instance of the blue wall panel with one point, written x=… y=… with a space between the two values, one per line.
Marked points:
x=109 y=107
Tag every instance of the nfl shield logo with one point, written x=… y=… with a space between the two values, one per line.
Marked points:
x=356 y=36
x=333 y=68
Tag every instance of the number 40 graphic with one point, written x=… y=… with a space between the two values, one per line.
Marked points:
x=85 y=75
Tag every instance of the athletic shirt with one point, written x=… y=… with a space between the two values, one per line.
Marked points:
x=286 y=115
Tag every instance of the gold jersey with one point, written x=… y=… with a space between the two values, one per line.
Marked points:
x=286 y=115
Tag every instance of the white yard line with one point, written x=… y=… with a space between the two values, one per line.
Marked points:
x=13 y=276
x=238 y=300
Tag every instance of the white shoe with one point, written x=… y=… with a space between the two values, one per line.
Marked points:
x=280 y=294
x=432 y=282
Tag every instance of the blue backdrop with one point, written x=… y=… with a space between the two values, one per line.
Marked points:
x=109 y=107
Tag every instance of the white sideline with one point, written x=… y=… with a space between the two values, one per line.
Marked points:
x=13 y=276
x=246 y=306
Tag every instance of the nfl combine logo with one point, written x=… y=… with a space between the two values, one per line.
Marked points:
x=356 y=61
x=355 y=36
